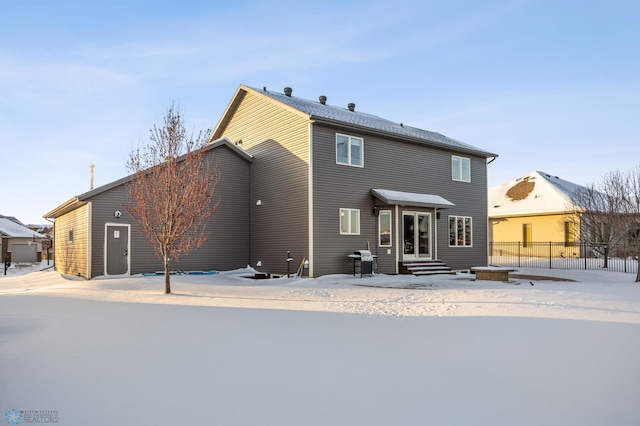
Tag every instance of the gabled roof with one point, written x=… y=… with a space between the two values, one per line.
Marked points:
x=12 y=218
x=319 y=112
x=532 y=194
x=400 y=198
x=15 y=230
x=80 y=200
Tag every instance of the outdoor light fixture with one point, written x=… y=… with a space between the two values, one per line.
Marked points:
x=259 y=203
x=117 y=213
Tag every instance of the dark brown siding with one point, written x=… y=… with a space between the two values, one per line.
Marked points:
x=394 y=165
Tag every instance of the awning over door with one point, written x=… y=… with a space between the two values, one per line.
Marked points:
x=411 y=199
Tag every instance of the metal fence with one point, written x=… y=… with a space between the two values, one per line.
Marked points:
x=552 y=255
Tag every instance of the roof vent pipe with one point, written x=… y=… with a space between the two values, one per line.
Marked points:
x=323 y=100
x=351 y=106
x=91 y=167
x=287 y=91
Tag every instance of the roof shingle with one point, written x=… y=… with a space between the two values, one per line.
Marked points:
x=319 y=111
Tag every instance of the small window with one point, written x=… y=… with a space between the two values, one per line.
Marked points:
x=384 y=225
x=568 y=234
x=70 y=235
x=460 y=168
x=350 y=221
x=526 y=234
x=460 y=231
x=349 y=150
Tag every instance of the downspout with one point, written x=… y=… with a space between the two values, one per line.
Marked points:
x=486 y=206
x=310 y=202
x=53 y=222
x=435 y=234
x=90 y=240
x=397 y=241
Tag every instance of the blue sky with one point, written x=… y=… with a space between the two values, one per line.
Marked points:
x=548 y=85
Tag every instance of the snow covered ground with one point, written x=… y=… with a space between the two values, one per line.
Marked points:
x=340 y=350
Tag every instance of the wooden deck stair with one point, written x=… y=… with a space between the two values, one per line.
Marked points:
x=425 y=267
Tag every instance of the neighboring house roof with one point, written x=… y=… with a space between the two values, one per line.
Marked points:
x=411 y=199
x=80 y=200
x=320 y=112
x=532 y=194
x=12 y=218
x=12 y=229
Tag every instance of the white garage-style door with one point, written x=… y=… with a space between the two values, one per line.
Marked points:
x=24 y=253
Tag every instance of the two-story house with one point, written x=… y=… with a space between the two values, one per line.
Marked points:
x=316 y=181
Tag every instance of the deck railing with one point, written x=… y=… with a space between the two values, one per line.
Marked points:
x=554 y=255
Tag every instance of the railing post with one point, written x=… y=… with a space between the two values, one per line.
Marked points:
x=518 y=254
x=490 y=252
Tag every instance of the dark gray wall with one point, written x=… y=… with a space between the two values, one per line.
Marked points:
x=279 y=179
x=394 y=165
x=228 y=242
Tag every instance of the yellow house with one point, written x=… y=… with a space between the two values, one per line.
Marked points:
x=532 y=209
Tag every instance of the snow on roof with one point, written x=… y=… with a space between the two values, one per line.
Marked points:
x=410 y=199
x=316 y=110
x=14 y=230
x=534 y=193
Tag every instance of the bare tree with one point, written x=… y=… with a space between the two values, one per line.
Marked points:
x=609 y=212
x=171 y=194
x=632 y=213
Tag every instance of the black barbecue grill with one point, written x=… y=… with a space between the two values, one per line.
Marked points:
x=365 y=260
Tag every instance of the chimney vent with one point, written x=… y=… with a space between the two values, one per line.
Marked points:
x=323 y=100
x=351 y=106
x=287 y=91
x=91 y=167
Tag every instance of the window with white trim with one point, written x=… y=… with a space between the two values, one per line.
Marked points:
x=350 y=221
x=384 y=227
x=460 y=231
x=460 y=168
x=349 y=150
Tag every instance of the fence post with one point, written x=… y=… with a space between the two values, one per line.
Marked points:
x=583 y=250
x=550 y=254
x=490 y=252
x=518 y=254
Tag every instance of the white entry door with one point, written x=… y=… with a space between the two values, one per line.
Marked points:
x=417 y=235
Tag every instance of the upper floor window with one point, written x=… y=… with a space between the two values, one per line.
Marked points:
x=350 y=221
x=460 y=231
x=349 y=150
x=460 y=168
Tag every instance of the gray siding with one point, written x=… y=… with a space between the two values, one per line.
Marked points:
x=228 y=241
x=277 y=137
x=395 y=165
